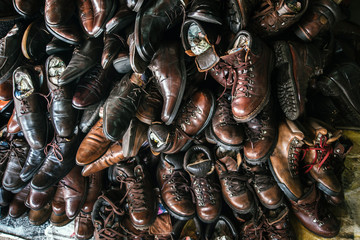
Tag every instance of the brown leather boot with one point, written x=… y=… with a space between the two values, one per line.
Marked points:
x=284 y=161
x=242 y=69
x=296 y=64
x=265 y=186
x=199 y=163
x=278 y=225
x=317 y=161
x=233 y=182
x=314 y=214
x=175 y=186
x=261 y=134
x=140 y=195
x=224 y=130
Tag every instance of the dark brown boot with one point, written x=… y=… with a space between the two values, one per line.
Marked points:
x=278 y=225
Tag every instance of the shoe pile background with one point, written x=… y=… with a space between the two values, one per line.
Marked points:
x=178 y=119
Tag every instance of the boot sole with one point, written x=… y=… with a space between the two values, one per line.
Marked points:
x=323 y=188
x=282 y=186
x=286 y=86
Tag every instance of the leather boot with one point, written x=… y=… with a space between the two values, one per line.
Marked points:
x=17 y=205
x=261 y=136
x=11 y=56
x=224 y=130
x=120 y=106
x=63 y=115
x=243 y=71
x=134 y=137
x=296 y=64
x=238 y=13
x=199 y=163
x=233 y=182
x=93 y=146
x=285 y=160
x=206 y=11
x=84 y=228
x=30 y=112
x=149 y=109
x=140 y=195
x=112 y=156
x=59 y=220
x=104 y=10
x=278 y=225
x=314 y=214
x=58 y=163
x=192 y=119
x=133 y=233
x=156 y=17
x=36 y=200
x=11 y=180
x=252 y=226
x=266 y=189
x=175 y=186
x=75 y=191
x=274 y=17
x=320 y=17
x=170 y=78
x=317 y=160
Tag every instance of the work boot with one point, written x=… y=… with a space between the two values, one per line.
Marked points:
x=274 y=17
x=233 y=182
x=319 y=18
x=314 y=214
x=224 y=130
x=199 y=163
x=266 y=189
x=175 y=186
x=192 y=119
x=120 y=107
x=140 y=195
x=296 y=64
x=278 y=225
x=30 y=112
x=132 y=233
x=242 y=69
x=261 y=135
x=319 y=152
x=285 y=160
x=238 y=13
x=170 y=78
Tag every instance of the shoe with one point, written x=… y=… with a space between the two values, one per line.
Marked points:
x=30 y=112
x=120 y=107
x=206 y=11
x=90 y=117
x=296 y=64
x=320 y=17
x=170 y=78
x=233 y=182
x=58 y=217
x=28 y=9
x=315 y=215
x=122 y=18
x=39 y=217
x=156 y=17
x=242 y=70
x=137 y=64
x=83 y=59
x=238 y=13
x=192 y=119
x=222 y=228
x=135 y=5
x=113 y=45
x=192 y=228
x=63 y=115
x=13 y=126
x=93 y=87
x=224 y=130
x=11 y=180
x=33 y=162
x=175 y=186
x=59 y=161
x=284 y=162
x=199 y=164
x=264 y=185
x=34 y=41
x=17 y=206
x=5 y=199
x=274 y=17
x=58 y=12
x=86 y=15
x=59 y=221
x=140 y=195
x=150 y=105
x=69 y=32
x=56 y=46
x=103 y=11
x=134 y=137
x=162 y=227
x=113 y=155
x=6 y=90
x=93 y=146
x=75 y=191
x=37 y=200
x=10 y=51
x=262 y=135
x=278 y=225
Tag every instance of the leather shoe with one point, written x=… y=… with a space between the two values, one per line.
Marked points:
x=6 y=90
x=36 y=200
x=122 y=18
x=34 y=160
x=39 y=217
x=17 y=206
x=134 y=137
x=13 y=126
x=27 y=8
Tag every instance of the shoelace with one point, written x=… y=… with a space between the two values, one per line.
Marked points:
x=261 y=180
x=255 y=232
x=226 y=113
x=276 y=232
x=325 y=151
x=236 y=182
x=182 y=188
x=267 y=7
x=57 y=151
x=136 y=193
x=203 y=190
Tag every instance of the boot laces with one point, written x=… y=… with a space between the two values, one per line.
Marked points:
x=182 y=184
x=204 y=191
x=236 y=183
x=323 y=151
x=224 y=106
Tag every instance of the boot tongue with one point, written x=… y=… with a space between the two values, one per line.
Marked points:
x=200 y=167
